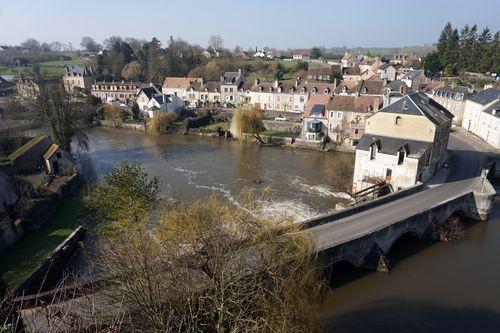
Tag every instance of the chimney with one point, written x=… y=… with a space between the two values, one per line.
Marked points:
x=256 y=82
x=385 y=82
x=164 y=98
x=150 y=84
x=297 y=82
x=276 y=83
x=376 y=104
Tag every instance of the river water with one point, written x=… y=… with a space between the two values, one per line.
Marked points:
x=193 y=167
x=432 y=287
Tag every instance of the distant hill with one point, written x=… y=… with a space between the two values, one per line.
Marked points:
x=419 y=50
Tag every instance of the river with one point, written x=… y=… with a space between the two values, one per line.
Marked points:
x=432 y=287
x=193 y=167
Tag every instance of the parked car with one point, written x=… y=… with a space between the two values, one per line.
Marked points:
x=296 y=111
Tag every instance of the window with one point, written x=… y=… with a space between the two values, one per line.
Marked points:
x=331 y=114
x=225 y=89
x=401 y=156
x=373 y=151
x=356 y=131
x=230 y=89
x=399 y=121
x=302 y=99
x=340 y=114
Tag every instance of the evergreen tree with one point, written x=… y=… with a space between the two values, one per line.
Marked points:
x=486 y=54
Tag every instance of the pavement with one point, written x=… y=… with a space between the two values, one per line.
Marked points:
x=463 y=176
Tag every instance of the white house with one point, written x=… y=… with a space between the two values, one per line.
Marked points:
x=164 y=103
x=404 y=143
x=144 y=96
x=481 y=116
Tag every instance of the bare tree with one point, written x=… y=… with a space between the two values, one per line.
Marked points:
x=61 y=115
x=88 y=44
x=216 y=42
x=248 y=120
x=31 y=44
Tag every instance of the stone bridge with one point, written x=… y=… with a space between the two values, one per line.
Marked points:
x=364 y=234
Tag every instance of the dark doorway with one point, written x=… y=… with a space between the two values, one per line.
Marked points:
x=55 y=167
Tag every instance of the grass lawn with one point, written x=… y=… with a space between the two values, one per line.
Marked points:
x=276 y=133
x=213 y=127
x=18 y=261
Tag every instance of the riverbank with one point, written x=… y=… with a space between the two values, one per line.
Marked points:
x=219 y=130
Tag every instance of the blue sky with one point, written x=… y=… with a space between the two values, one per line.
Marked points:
x=282 y=24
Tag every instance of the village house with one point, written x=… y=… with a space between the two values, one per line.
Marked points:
x=164 y=103
x=301 y=54
x=209 y=93
x=322 y=74
x=315 y=122
x=178 y=86
x=115 y=91
x=453 y=98
x=394 y=91
x=78 y=77
x=387 y=72
x=481 y=116
x=230 y=84
x=414 y=79
x=404 y=143
x=347 y=117
x=352 y=74
x=405 y=59
x=351 y=59
x=144 y=95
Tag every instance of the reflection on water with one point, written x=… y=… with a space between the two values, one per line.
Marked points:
x=432 y=287
x=192 y=167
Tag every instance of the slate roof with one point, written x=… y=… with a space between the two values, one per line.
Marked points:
x=412 y=74
x=149 y=91
x=211 y=86
x=159 y=98
x=419 y=104
x=391 y=146
x=74 y=71
x=230 y=77
x=486 y=96
x=495 y=107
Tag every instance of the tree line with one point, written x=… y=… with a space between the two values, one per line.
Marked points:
x=467 y=49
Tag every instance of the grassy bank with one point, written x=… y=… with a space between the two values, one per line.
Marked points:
x=19 y=260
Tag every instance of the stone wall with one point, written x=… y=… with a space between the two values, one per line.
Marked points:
x=283 y=126
x=46 y=276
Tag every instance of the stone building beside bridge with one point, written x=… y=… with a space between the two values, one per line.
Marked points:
x=404 y=143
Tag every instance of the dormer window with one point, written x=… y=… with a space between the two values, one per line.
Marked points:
x=401 y=155
x=373 y=151
x=326 y=91
x=344 y=89
x=370 y=108
x=365 y=90
x=398 y=121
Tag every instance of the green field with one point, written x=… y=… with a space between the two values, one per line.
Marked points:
x=53 y=68
x=18 y=261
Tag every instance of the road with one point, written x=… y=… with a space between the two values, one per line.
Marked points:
x=462 y=176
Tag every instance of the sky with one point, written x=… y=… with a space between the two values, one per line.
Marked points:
x=273 y=23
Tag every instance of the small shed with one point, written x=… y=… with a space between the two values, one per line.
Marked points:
x=58 y=161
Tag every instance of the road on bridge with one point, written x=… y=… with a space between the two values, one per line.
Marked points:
x=462 y=176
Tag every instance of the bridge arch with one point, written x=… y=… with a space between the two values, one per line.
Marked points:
x=412 y=233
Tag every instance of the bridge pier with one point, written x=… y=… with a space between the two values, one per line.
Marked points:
x=376 y=260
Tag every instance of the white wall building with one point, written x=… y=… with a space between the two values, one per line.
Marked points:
x=404 y=143
x=481 y=116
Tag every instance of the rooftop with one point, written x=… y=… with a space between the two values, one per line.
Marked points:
x=391 y=146
x=486 y=96
x=419 y=104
